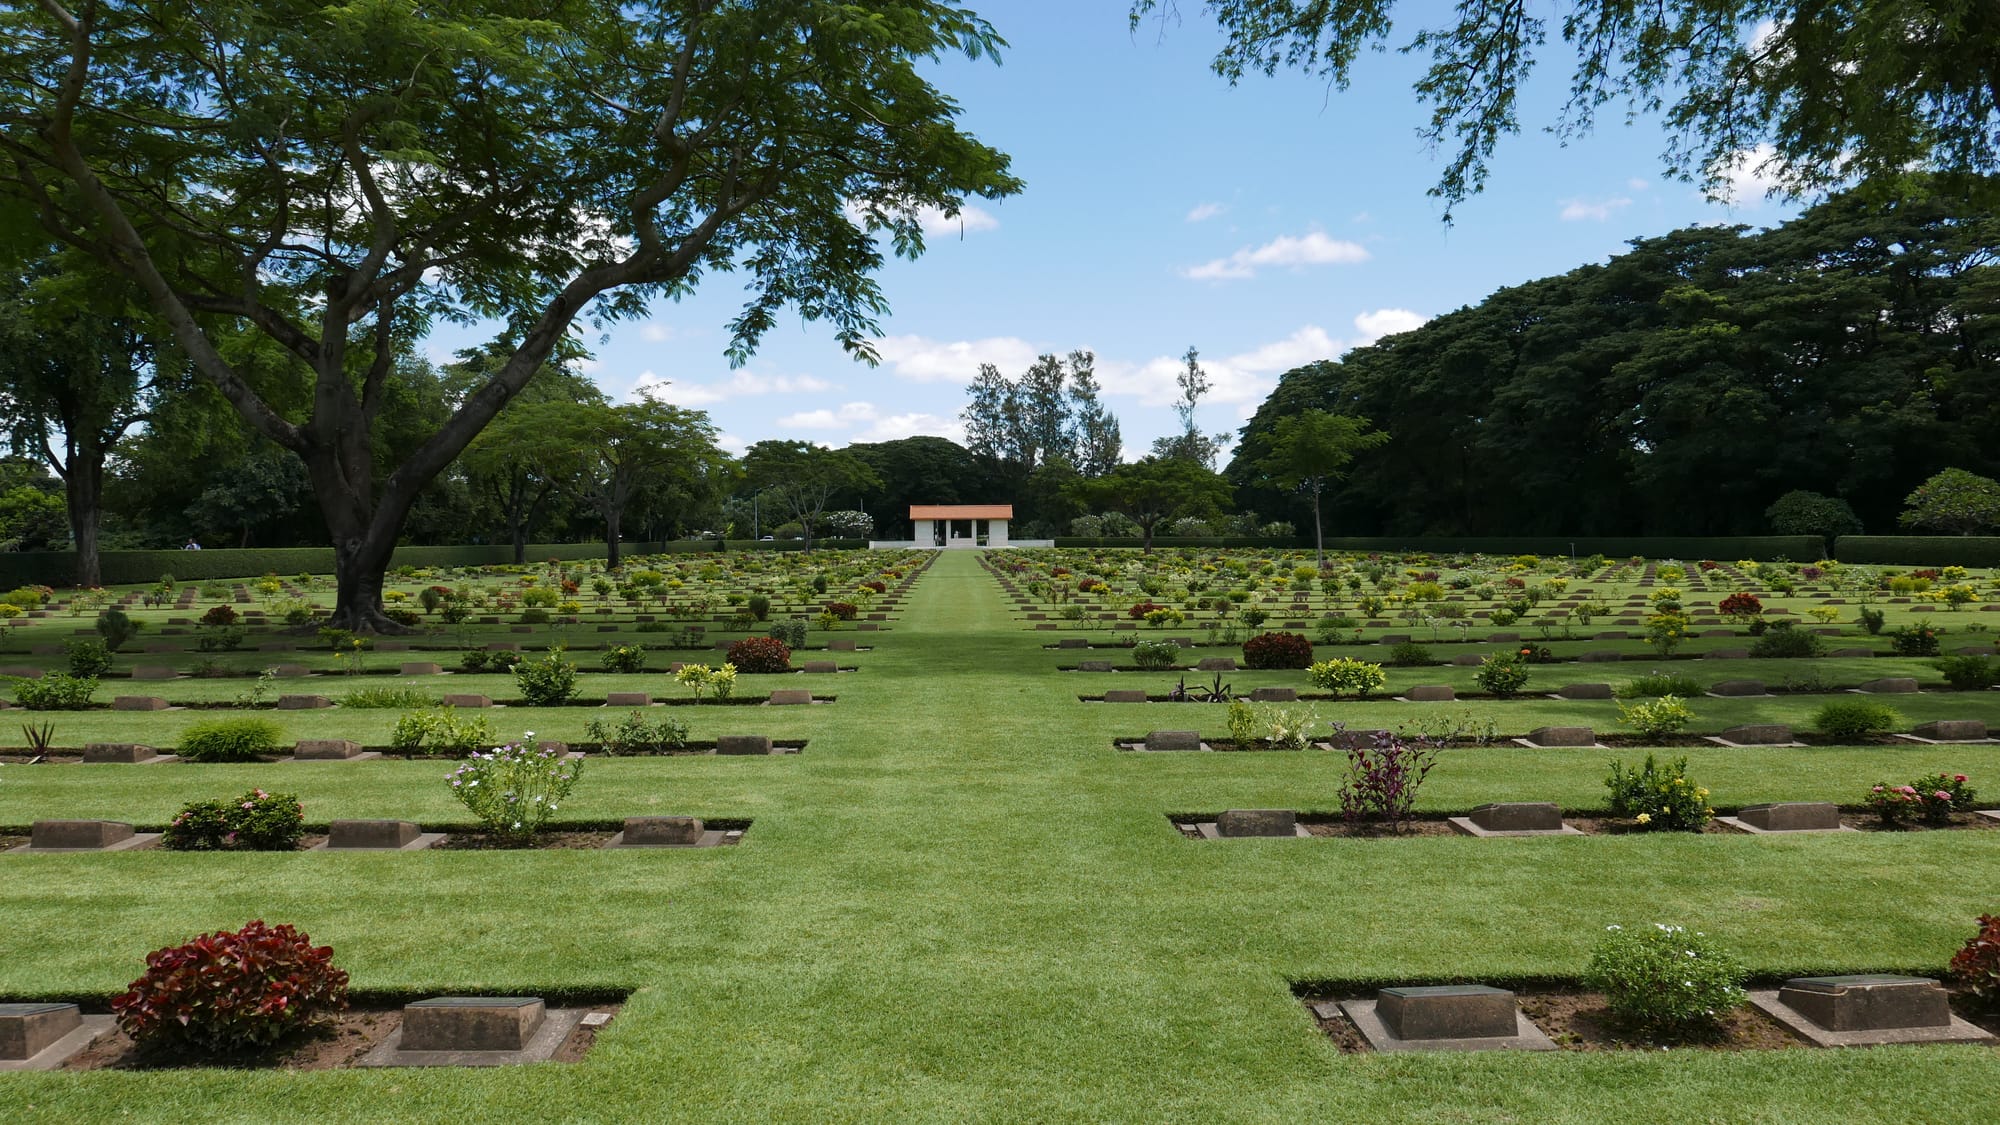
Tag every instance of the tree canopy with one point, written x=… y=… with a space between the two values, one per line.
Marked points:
x=337 y=178
x=1155 y=491
x=1840 y=91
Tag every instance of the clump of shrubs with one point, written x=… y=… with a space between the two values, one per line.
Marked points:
x=55 y=692
x=1784 y=640
x=1969 y=672
x=625 y=658
x=1854 y=718
x=516 y=789
x=440 y=732
x=1666 y=981
x=844 y=611
x=1657 y=718
x=230 y=740
x=1975 y=968
x=1383 y=777
x=760 y=655
x=635 y=734
x=1277 y=650
x=548 y=682
x=1409 y=654
x=87 y=659
x=1661 y=683
x=1930 y=799
x=1504 y=674
x=1155 y=655
x=227 y=993
x=1659 y=798
x=1344 y=675
x=255 y=822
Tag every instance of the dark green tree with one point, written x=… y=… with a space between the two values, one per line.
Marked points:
x=336 y=178
x=1954 y=501
x=802 y=478
x=1803 y=512
x=1154 y=491
x=1312 y=449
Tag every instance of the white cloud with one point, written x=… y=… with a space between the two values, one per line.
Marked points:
x=1205 y=211
x=740 y=384
x=653 y=332
x=1302 y=347
x=1638 y=183
x=935 y=222
x=1597 y=211
x=895 y=427
x=1385 y=322
x=730 y=443
x=1311 y=249
x=849 y=414
x=923 y=360
x=1748 y=176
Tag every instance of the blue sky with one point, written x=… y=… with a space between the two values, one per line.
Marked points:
x=1269 y=224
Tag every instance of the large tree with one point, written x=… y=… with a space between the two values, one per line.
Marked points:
x=803 y=478
x=338 y=177
x=79 y=367
x=1311 y=450
x=496 y=464
x=607 y=456
x=1840 y=90
x=1154 y=491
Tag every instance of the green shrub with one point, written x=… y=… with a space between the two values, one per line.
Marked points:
x=534 y=615
x=625 y=659
x=1341 y=674
x=1333 y=628
x=792 y=631
x=1661 y=683
x=87 y=659
x=635 y=735
x=1920 y=639
x=255 y=822
x=230 y=740
x=1658 y=718
x=760 y=607
x=55 y=692
x=1156 y=654
x=548 y=682
x=387 y=698
x=515 y=789
x=1659 y=798
x=1852 y=718
x=116 y=628
x=441 y=732
x=1784 y=640
x=1664 y=980
x=1969 y=673
x=1410 y=655
x=1872 y=620
x=1504 y=674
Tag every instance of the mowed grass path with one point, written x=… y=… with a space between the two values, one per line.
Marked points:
x=961 y=904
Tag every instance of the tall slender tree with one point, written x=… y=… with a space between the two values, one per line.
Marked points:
x=1312 y=450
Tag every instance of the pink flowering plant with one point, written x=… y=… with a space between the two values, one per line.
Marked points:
x=1930 y=799
x=255 y=822
x=516 y=789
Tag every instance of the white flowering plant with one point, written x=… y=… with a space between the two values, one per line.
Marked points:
x=516 y=789
x=1666 y=981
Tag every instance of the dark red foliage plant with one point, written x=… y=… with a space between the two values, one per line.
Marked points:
x=1741 y=605
x=221 y=615
x=846 y=611
x=760 y=654
x=1383 y=778
x=1976 y=967
x=226 y=993
x=1139 y=610
x=1277 y=650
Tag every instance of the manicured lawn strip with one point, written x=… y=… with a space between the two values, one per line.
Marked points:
x=961 y=902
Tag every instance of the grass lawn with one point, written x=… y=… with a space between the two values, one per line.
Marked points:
x=960 y=903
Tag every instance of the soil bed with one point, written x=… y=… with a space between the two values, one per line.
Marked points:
x=1579 y=1021
x=1433 y=825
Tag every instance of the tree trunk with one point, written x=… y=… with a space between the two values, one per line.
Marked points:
x=1147 y=529
x=83 y=489
x=359 y=564
x=364 y=535
x=1319 y=536
x=613 y=519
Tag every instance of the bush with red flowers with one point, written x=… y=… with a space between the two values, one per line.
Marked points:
x=1976 y=967
x=1277 y=650
x=846 y=611
x=1139 y=610
x=225 y=993
x=1741 y=605
x=760 y=654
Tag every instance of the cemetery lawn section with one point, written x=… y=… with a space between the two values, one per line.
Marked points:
x=961 y=903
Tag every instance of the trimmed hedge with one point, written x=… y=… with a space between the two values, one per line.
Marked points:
x=1797 y=548
x=125 y=568
x=1918 y=550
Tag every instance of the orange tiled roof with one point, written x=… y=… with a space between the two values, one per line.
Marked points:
x=961 y=511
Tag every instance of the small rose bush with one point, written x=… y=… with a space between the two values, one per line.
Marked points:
x=1930 y=799
x=255 y=822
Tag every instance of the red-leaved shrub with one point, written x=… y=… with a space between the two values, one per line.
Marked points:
x=760 y=654
x=1277 y=650
x=225 y=993
x=846 y=611
x=1741 y=605
x=1139 y=610
x=221 y=615
x=1976 y=967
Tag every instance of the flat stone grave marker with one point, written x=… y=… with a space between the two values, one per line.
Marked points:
x=1786 y=816
x=290 y=671
x=821 y=666
x=1274 y=695
x=1354 y=739
x=1889 y=685
x=421 y=668
x=43 y=1036
x=153 y=672
x=303 y=702
x=86 y=836
x=1216 y=664
x=1430 y=693
x=1173 y=740
x=138 y=703
x=1948 y=730
x=463 y=700
x=1240 y=823
x=743 y=744
x=666 y=832
x=1585 y=691
x=1755 y=734
x=1599 y=657
x=1073 y=642
x=122 y=753
x=475 y=1031
x=626 y=699
x=1452 y=1017
x=1542 y=738
x=1514 y=818
x=1125 y=695
x=1866 y=1010
x=790 y=697
x=328 y=750
x=1738 y=689
x=378 y=836
x=841 y=644
x=1851 y=652
x=1094 y=666
x=1467 y=659
x=1726 y=654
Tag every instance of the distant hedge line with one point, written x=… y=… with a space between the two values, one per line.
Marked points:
x=1798 y=548
x=1919 y=550
x=120 y=568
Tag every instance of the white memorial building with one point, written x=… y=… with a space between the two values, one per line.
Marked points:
x=960 y=525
